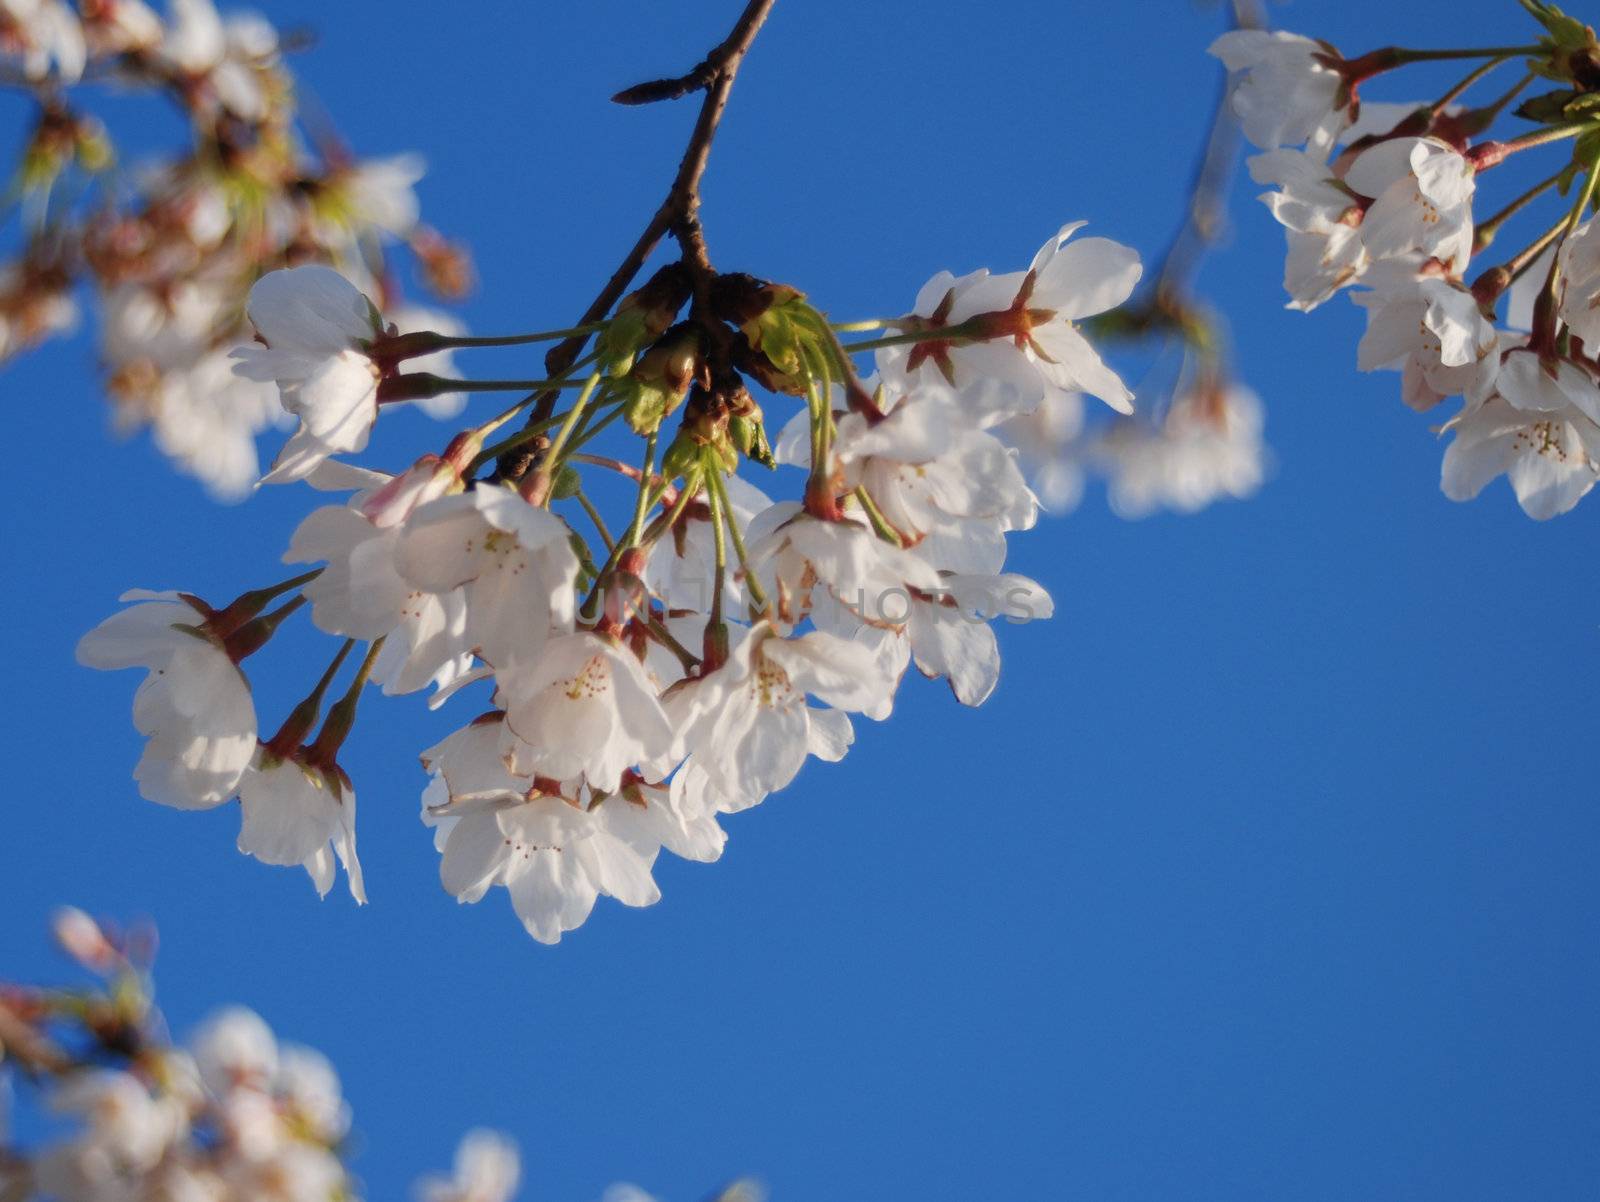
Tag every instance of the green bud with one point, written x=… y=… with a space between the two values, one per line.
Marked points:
x=747 y=427
x=682 y=459
x=642 y=317
x=779 y=334
x=662 y=377
x=566 y=484
x=644 y=406
x=621 y=339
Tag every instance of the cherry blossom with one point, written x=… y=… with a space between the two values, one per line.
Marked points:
x=1551 y=458
x=45 y=36
x=583 y=707
x=487 y=1169
x=194 y=707
x=1580 y=283
x=1208 y=445
x=1028 y=321
x=512 y=561
x=1322 y=225
x=1429 y=327
x=1287 y=90
x=1421 y=190
x=296 y=810
x=316 y=328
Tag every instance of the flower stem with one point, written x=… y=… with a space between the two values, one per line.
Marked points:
x=448 y=341
x=599 y=522
x=719 y=542
x=719 y=486
x=304 y=716
x=573 y=414
x=646 y=477
x=1490 y=227
x=880 y=524
x=1466 y=82
x=1545 y=308
x=527 y=434
x=1491 y=154
x=342 y=716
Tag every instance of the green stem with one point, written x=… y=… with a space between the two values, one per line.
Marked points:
x=1471 y=78
x=880 y=524
x=599 y=522
x=527 y=434
x=720 y=486
x=719 y=542
x=1545 y=308
x=965 y=329
x=1488 y=229
x=452 y=341
x=577 y=410
x=646 y=480
x=590 y=432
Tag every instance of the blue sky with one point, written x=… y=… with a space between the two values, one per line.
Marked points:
x=1268 y=873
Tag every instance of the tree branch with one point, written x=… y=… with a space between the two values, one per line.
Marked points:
x=678 y=213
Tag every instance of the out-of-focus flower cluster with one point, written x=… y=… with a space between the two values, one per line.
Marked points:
x=231 y=1114
x=1386 y=199
x=169 y=247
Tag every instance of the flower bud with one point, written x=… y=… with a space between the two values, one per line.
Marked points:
x=81 y=938
x=747 y=427
x=642 y=317
x=661 y=378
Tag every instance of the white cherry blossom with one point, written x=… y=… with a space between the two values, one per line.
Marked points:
x=361 y=594
x=194 y=707
x=792 y=553
x=554 y=849
x=747 y=726
x=512 y=561
x=1050 y=448
x=1580 y=283
x=583 y=707
x=949 y=634
x=234 y=1047
x=1322 y=225
x=487 y=1169
x=1285 y=92
x=1421 y=190
x=316 y=328
x=1207 y=446
x=1551 y=458
x=1033 y=344
x=298 y=812
x=45 y=36
x=1429 y=327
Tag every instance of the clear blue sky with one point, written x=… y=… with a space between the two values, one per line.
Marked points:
x=1269 y=872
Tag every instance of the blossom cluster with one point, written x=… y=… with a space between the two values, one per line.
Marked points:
x=642 y=673
x=1382 y=199
x=647 y=674
x=232 y=1114
x=169 y=248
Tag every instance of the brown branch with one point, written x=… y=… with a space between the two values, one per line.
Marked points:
x=678 y=213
